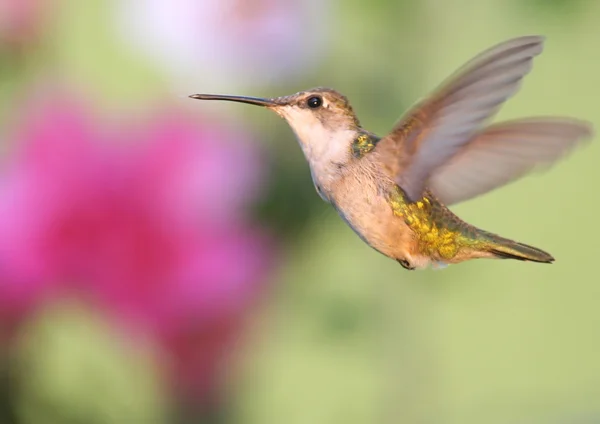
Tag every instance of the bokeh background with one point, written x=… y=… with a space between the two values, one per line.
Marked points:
x=163 y=260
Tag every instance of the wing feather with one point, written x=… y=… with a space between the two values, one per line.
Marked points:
x=435 y=130
x=505 y=152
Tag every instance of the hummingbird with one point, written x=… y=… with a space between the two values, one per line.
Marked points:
x=394 y=191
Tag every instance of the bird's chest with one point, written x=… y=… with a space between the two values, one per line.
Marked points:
x=360 y=200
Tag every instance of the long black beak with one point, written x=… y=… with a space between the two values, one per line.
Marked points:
x=241 y=99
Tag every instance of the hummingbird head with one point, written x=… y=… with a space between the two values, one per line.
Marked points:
x=321 y=118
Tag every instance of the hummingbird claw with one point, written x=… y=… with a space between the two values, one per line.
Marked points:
x=405 y=264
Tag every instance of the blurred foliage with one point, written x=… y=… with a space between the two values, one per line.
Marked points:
x=68 y=368
x=290 y=202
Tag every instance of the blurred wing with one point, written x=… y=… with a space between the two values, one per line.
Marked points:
x=504 y=152
x=434 y=130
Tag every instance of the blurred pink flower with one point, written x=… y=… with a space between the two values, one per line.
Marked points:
x=21 y=20
x=226 y=42
x=147 y=225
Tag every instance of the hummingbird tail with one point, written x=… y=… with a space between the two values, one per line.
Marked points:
x=503 y=248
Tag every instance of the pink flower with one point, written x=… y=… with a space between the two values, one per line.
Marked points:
x=146 y=224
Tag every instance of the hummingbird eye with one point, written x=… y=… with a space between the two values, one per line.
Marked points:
x=314 y=102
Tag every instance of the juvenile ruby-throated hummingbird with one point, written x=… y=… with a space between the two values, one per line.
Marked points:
x=393 y=191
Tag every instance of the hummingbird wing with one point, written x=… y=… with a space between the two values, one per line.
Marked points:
x=504 y=152
x=438 y=127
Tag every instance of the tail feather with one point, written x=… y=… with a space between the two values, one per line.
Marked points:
x=508 y=249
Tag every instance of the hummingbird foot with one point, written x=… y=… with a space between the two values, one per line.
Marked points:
x=406 y=264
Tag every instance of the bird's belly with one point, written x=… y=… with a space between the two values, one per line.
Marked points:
x=370 y=215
